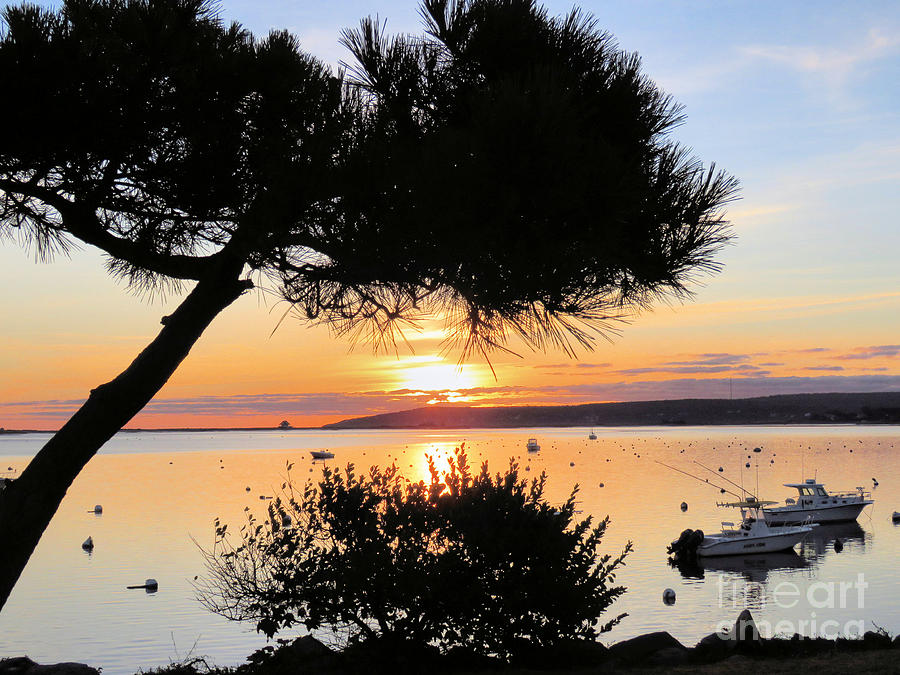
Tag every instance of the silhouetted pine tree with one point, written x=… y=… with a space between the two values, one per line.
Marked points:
x=507 y=169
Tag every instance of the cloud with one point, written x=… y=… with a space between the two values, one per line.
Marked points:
x=693 y=369
x=877 y=352
x=712 y=360
x=564 y=366
x=779 y=308
x=744 y=387
x=329 y=406
x=834 y=64
x=825 y=368
x=761 y=214
x=830 y=70
x=280 y=405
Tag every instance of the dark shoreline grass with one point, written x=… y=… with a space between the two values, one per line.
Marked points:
x=838 y=663
x=877 y=653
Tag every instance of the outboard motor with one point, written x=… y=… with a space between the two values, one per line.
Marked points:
x=685 y=547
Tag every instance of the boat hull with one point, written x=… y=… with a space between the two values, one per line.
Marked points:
x=738 y=545
x=788 y=515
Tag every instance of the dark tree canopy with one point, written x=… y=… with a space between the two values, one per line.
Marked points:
x=531 y=183
x=508 y=170
x=155 y=133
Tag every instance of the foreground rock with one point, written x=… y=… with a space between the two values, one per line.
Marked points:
x=739 y=649
x=22 y=665
x=652 y=649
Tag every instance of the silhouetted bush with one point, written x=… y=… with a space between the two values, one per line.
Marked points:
x=477 y=561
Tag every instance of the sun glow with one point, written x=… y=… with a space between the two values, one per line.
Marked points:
x=431 y=374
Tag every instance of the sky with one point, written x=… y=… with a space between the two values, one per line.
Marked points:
x=799 y=100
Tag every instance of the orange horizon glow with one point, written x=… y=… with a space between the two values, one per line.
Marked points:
x=241 y=374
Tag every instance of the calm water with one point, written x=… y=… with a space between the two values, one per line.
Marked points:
x=161 y=491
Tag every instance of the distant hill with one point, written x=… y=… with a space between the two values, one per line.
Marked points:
x=871 y=408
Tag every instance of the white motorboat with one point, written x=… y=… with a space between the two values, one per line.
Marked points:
x=815 y=504
x=752 y=535
x=592 y=436
x=321 y=454
x=532 y=445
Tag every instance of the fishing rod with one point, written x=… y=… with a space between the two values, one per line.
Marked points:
x=702 y=480
x=722 y=477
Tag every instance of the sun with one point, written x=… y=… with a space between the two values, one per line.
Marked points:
x=435 y=376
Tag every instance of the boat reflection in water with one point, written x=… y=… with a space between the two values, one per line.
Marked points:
x=823 y=540
x=753 y=567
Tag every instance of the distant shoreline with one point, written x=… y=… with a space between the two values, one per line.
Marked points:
x=23 y=432
x=169 y=429
x=865 y=408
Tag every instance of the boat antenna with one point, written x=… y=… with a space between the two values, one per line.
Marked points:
x=702 y=480
x=757 y=476
x=719 y=476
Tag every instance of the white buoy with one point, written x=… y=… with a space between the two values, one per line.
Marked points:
x=669 y=596
x=684 y=506
x=88 y=544
x=98 y=509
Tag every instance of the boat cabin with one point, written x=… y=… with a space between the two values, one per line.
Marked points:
x=813 y=494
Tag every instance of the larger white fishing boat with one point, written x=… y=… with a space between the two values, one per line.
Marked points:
x=815 y=504
x=752 y=535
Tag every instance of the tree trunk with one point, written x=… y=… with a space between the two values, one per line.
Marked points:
x=29 y=502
